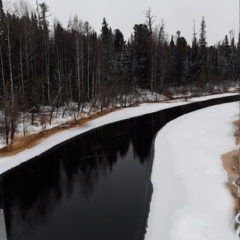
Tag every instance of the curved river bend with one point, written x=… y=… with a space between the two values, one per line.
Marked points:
x=93 y=187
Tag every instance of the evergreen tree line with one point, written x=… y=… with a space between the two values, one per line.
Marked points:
x=57 y=66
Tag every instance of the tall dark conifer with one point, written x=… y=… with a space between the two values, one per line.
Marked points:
x=142 y=57
x=193 y=63
x=44 y=25
x=106 y=55
x=3 y=52
x=203 y=68
x=106 y=52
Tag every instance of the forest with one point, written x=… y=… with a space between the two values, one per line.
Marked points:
x=45 y=66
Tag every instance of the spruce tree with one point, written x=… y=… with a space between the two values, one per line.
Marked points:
x=203 y=71
x=2 y=18
x=3 y=53
x=142 y=61
x=227 y=54
x=193 y=60
x=106 y=53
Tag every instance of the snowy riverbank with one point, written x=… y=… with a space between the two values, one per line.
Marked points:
x=10 y=162
x=7 y=163
x=190 y=200
x=180 y=208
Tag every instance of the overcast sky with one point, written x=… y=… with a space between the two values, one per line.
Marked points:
x=221 y=16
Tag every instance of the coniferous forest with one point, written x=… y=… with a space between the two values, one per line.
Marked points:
x=49 y=65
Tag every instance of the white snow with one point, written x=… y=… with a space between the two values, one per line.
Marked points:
x=190 y=200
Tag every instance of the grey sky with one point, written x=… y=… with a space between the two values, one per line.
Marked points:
x=221 y=16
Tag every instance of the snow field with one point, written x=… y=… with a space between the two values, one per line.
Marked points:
x=190 y=200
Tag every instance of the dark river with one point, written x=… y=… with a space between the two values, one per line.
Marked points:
x=93 y=187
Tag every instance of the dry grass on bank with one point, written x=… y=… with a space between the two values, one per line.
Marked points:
x=231 y=165
x=21 y=143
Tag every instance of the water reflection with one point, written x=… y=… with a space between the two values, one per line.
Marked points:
x=82 y=173
x=95 y=186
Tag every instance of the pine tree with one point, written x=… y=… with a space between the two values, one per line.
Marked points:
x=106 y=53
x=3 y=52
x=151 y=47
x=2 y=18
x=213 y=66
x=161 y=55
x=178 y=53
x=233 y=59
x=118 y=48
x=202 y=39
x=142 y=57
x=193 y=63
x=203 y=71
x=44 y=25
x=227 y=54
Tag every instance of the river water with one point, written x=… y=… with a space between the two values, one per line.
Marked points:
x=93 y=187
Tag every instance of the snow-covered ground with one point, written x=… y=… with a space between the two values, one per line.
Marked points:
x=190 y=200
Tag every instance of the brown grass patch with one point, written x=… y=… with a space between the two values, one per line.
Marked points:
x=233 y=191
x=231 y=165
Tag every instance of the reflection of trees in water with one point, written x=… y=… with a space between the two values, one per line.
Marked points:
x=39 y=186
x=144 y=130
x=30 y=194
